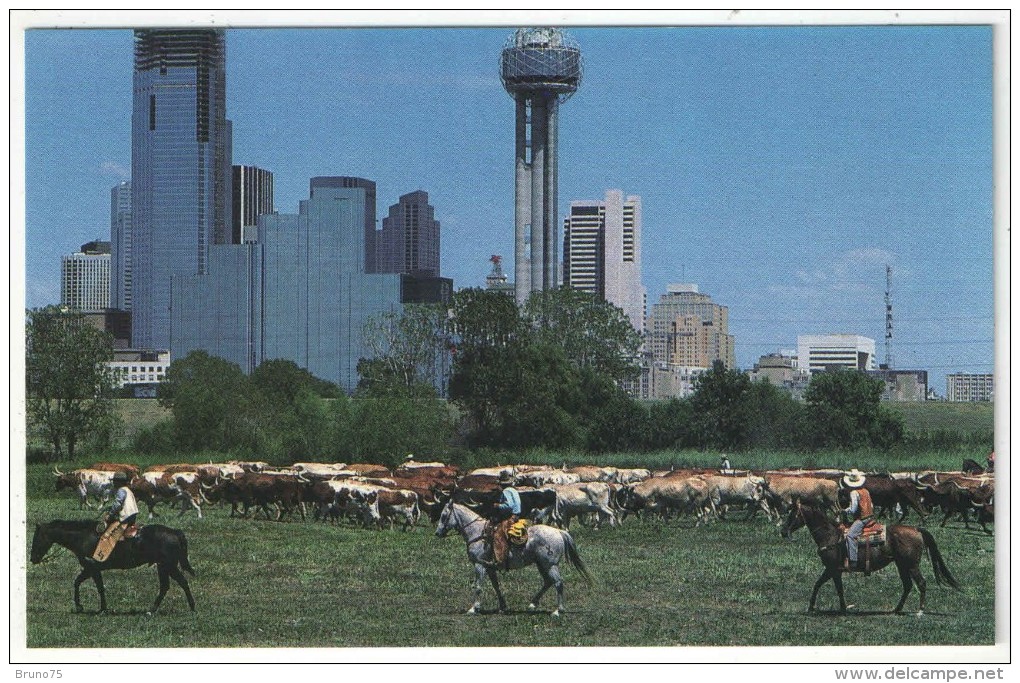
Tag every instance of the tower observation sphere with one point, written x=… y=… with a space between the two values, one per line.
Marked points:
x=540 y=68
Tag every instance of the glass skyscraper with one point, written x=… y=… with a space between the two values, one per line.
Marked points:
x=120 y=252
x=299 y=293
x=180 y=169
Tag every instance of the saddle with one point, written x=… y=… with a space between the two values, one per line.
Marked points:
x=111 y=537
x=872 y=536
x=518 y=532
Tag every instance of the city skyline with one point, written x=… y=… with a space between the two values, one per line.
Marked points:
x=780 y=169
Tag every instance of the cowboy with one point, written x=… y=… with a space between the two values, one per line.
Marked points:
x=725 y=464
x=990 y=462
x=860 y=510
x=122 y=514
x=506 y=512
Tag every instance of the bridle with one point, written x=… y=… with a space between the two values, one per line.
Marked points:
x=461 y=526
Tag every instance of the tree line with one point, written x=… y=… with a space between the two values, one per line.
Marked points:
x=481 y=373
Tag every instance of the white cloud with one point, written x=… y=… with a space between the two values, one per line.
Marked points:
x=115 y=169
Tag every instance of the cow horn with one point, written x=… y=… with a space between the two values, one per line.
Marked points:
x=57 y=471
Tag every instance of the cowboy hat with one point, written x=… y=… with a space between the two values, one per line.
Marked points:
x=853 y=479
x=506 y=477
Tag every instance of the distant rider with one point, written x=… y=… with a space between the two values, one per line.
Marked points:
x=861 y=510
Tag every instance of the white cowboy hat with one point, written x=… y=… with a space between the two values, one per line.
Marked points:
x=853 y=479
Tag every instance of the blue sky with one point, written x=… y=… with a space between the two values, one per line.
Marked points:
x=780 y=168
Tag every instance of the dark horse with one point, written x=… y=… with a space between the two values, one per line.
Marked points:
x=155 y=544
x=904 y=546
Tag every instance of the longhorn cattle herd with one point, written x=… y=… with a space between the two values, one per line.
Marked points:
x=375 y=496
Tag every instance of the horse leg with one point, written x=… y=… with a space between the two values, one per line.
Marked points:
x=547 y=582
x=837 y=578
x=182 y=581
x=494 y=579
x=477 y=587
x=554 y=574
x=78 y=580
x=97 y=578
x=907 y=585
x=164 y=586
x=915 y=572
x=826 y=575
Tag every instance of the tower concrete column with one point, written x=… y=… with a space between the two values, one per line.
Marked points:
x=522 y=203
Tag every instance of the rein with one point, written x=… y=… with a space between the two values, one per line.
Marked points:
x=462 y=527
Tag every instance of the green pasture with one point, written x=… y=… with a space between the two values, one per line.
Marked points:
x=305 y=584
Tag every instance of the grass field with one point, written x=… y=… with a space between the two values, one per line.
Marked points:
x=302 y=584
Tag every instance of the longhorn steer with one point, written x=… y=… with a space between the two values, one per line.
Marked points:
x=747 y=491
x=822 y=493
x=95 y=483
x=573 y=500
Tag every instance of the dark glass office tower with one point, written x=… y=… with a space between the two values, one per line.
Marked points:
x=409 y=240
x=349 y=182
x=252 y=197
x=180 y=168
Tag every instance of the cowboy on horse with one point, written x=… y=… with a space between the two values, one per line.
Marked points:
x=120 y=518
x=861 y=511
x=505 y=514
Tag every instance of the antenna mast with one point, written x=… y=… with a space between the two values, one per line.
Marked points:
x=888 y=318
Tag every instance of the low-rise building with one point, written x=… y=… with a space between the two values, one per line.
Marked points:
x=965 y=386
x=140 y=369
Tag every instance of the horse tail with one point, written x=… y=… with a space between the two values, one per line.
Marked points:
x=942 y=574
x=575 y=558
x=185 y=565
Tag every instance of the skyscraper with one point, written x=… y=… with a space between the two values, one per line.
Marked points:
x=409 y=240
x=337 y=182
x=540 y=68
x=299 y=292
x=120 y=246
x=85 y=278
x=180 y=168
x=602 y=252
x=252 y=196
x=687 y=333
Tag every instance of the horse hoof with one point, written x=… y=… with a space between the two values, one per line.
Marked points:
x=556 y=613
x=472 y=611
x=920 y=613
x=532 y=607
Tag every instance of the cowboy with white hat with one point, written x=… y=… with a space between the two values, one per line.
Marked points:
x=861 y=510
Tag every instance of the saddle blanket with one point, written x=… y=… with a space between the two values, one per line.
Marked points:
x=518 y=532
x=872 y=534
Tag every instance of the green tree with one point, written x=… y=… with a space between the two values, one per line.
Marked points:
x=213 y=403
x=488 y=336
x=775 y=418
x=385 y=429
x=282 y=380
x=69 y=385
x=593 y=333
x=721 y=407
x=405 y=347
x=843 y=410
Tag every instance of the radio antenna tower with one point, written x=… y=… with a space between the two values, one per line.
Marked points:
x=888 y=318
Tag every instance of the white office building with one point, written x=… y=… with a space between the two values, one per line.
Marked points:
x=85 y=278
x=602 y=252
x=821 y=352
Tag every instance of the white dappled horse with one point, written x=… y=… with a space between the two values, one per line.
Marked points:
x=546 y=547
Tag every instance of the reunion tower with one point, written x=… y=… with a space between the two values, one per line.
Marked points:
x=540 y=68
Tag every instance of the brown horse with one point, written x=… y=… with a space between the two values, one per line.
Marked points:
x=904 y=546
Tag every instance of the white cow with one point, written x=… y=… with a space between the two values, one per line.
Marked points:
x=583 y=498
x=95 y=483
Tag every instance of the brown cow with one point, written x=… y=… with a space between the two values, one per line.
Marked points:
x=821 y=493
x=131 y=470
